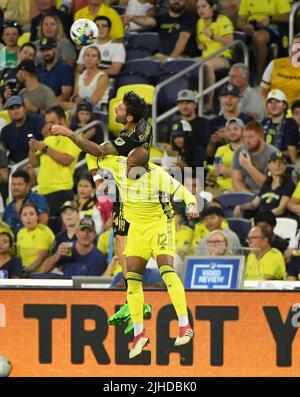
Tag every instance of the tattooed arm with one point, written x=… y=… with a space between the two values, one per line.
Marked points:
x=85 y=145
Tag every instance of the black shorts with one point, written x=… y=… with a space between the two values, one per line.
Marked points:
x=120 y=225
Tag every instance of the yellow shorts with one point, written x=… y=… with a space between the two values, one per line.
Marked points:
x=152 y=239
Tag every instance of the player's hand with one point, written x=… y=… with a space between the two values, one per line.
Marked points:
x=61 y=130
x=127 y=18
x=192 y=211
x=245 y=160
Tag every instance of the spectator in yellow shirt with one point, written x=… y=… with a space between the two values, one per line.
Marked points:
x=96 y=8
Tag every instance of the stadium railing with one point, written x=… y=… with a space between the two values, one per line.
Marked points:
x=294 y=9
x=201 y=92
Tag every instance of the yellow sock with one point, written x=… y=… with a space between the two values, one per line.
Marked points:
x=135 y=296
x=175 y=289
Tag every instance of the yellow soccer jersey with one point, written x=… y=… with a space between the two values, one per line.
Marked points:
x=91 y=162
x=296 y=193
x=28 y=242
x=259 y=9
x=271 y=263
x=226 y=153
x=280 y=74
x=52 y=176
x=147 y=198
x=221 y=27
x=117 y=26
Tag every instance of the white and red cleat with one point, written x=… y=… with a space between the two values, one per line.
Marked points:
x=139 y=342
x=185 y=335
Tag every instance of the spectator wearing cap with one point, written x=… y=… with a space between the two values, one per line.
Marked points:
x=250 y=162
x=51 y=27
x=56 y=156
x=250 y=100
x=22 y=194
x=9 y=53
x=212 y=220
x=69 y=213
x=214 y=31
x=37 y=97
x=277 y=126
x=113 y=54
x=48 y=7
x=14 y=136
x=288 y=82
x=54 y=73
x=84 y=259
x=275 y=192
x=229 y=99
x=82 y=117
x=293 y=136
x=97 y=8
x=220 y=176
x=197 y=137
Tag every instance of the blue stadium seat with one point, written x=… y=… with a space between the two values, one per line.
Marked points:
x=177 y=65
x=148 y=40
x=137 y=53
x=241 y=227
x=125 y=78
x=167 y=98
x=120 y=9
x=148 y=67
x=230 y=200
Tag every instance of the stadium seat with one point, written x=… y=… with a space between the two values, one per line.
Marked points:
x=167 y=97
x=126 y=78
x=137 y=53
x=145 y=90
x=241 y=227
x=286 y=228
x=120 y=9
x=148 y=67
x=148 y=40
x=230 y=200
x=178 y=65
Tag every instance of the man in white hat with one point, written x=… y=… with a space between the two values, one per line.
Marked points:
x=277 y=125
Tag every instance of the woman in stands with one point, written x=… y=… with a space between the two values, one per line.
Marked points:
x=275 y=192
x=214 y=31
x=92 y=83
x=8 y=262
x=217 y=244
x=34 y=240
x=51 y=27
x=86 y=201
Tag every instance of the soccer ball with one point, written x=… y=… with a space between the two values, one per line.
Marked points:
x=84 y=32
x=5 y=367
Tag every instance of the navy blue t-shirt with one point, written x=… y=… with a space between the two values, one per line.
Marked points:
x=59 y=76
x=91 y=264
x=13 y=267
x=15 y=138
x=62 y=237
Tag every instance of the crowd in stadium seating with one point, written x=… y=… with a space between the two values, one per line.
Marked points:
x=247 y=139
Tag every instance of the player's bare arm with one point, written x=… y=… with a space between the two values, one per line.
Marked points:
x=84 y=144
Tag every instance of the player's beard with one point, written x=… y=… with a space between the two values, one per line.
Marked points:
x=177 y=8
x=121 y=119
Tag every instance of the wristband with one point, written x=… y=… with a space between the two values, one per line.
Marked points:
x=96 y=178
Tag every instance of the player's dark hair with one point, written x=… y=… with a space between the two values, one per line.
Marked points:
x=136 y=106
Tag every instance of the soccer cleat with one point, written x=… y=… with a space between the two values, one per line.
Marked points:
x=139 y=342
x=121 y=316
x=185 y=335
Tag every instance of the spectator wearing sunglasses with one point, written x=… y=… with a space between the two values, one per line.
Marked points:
x=9 y=53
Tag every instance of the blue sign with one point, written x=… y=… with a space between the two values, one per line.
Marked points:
x=217 y=272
